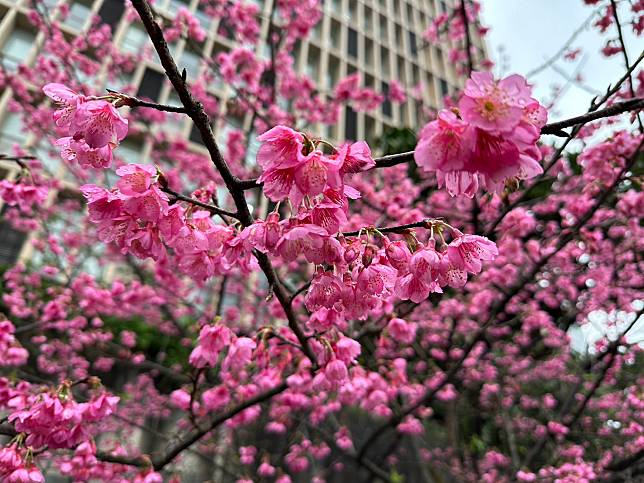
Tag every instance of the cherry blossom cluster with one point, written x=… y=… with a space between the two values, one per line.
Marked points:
x=58 y=421
x=23 y=195
x=16 y=465
x=91 y=127
x=490 y=138
x=11 y=352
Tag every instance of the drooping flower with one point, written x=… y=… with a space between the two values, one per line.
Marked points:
x=67 y=101
x=99 y=123
x=280 y=148
x=467 y=252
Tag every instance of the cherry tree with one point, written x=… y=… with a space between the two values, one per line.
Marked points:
x=315 y=312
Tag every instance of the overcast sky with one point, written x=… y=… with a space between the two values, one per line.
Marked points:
x=531 y=31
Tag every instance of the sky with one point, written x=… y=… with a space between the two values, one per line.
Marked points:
x=531 y=31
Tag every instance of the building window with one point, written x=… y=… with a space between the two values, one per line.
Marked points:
x=130 y=151
x=386 y=105
x=384 y=29
x=444 y=87
x=11 y=132
x=16 y=49
x=111 y=12
x=135 y=39
x=12 y=241
x=151 y=85
x=352 y=47
x=192 y=63
x=313 y=63
x=335 y=37
x=350 y=124
x=413 y=46
x=333 y=72
x=78 y=15
x=384 y=62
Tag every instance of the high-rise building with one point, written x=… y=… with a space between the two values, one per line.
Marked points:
x=381 y=39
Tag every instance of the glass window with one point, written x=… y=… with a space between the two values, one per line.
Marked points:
x=11 y=132
x=413 y=46
x=16 y=49
x=111 y=12
x=333 y=72
x=336 y=35
x=191 y=62
x=135 y=39
x=350 y=124
x=78 y=15
x=352 y=47
x=386 y=105
x=384 y=29
x=151 y=84
x=175 y=5
x=367 y=20
x=444 y=87
x=384 y=62
x=368 y=52
x=129 y=150
x=313 y=64
x=12 y=241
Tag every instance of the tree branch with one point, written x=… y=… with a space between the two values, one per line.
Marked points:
x=555 y=128
x=132 y=101
x=195 y=110
x=211 y=208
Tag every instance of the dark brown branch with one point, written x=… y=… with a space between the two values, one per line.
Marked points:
x=426 y=223
x=132 y=101
x=627 y=62
x=191 y=439
x=211 y=208
x=614 y=110
x=468 y=39
x=6 y=429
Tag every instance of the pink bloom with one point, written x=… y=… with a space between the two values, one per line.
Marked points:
x=376 y=279
x=467 y=251
x=180 y=399
x=239 y=354
x=336 y=372
x=299 y=240
x=445 y=144
x=212 y=340
x=398 y=254
x=136 y=179
x=401 y=331
x=491 y=105
x=325 y=291
x=79 y=151
x=347 y=350
x=216 y=398
x=99 y=123
x=424 y=269
x=356 y=157
x=280 y=148
x=67 y=100
x=396 y=92
x=316 y=171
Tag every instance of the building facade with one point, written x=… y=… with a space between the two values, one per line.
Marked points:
x=381 y=39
